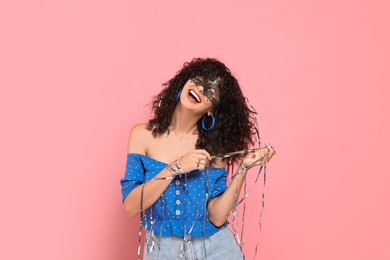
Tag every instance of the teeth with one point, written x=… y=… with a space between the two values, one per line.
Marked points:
x=195 y=95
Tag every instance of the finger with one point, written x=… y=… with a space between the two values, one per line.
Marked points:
x=271 y=153
x=208 y=156
x=253 y=151
x=255 y=154
x=255 y=161
x=204 y=153
x=202 y=166
x=201 y=157
x=267 y=150
x=200 y=161
x=261 y=156
x=261 y=152
x=249 y=156
x=270 y=147
x=198 y=164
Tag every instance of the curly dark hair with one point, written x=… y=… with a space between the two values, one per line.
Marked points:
x=234 y=126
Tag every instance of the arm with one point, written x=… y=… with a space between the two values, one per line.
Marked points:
x=152 y=190
x=220 y=207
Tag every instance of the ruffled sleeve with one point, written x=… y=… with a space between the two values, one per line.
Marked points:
x=134 y=175
x=220 y=185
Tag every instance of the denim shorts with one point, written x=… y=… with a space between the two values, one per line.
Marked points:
x=220 y=245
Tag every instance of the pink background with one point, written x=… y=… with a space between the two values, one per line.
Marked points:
x=76 y=75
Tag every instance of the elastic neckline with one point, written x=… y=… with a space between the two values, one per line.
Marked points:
x=143 y=155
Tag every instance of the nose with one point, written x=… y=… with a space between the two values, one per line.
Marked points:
x=200 y=87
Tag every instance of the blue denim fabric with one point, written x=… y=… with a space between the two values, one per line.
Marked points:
x=220 y=246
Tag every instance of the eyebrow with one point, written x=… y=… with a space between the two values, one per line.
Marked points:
x=198 y=79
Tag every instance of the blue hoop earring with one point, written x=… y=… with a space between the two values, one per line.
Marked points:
x=212 y=123
x=178 y=94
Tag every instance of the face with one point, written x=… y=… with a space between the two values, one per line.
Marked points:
x=201 y=93
x=210 y=88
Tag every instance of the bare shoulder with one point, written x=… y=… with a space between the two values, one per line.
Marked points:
x=139 y=137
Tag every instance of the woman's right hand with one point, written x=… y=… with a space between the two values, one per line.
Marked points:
x=193 y=160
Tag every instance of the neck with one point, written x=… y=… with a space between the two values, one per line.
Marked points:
x=184 y=122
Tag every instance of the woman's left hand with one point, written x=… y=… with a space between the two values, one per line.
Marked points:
x=260 y=156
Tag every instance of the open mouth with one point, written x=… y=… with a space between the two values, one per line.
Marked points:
x=194 y=96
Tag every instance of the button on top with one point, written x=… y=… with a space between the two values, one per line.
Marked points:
x=177 y=182
x=177 y=192
x=177 y=212
x=177 y=202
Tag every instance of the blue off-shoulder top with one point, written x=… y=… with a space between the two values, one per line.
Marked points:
x=180 y=210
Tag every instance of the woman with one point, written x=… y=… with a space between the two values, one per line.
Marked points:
x=173 y=175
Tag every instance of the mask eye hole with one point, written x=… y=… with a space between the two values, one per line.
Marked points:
x=197 y=81
x=212 y=92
